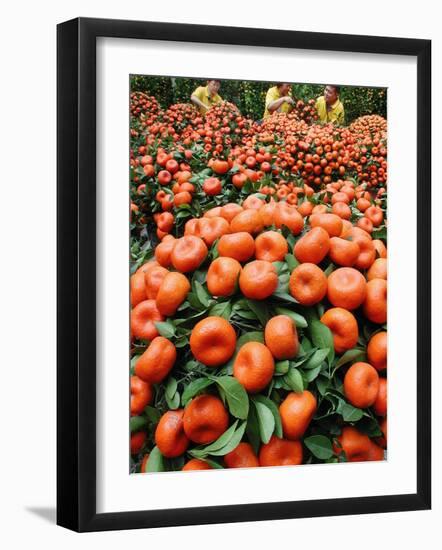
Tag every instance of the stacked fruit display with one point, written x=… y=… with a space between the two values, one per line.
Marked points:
x=258 y=291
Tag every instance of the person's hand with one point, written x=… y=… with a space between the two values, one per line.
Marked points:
x=289 y=100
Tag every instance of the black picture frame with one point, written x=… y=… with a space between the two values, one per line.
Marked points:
x=76 y=273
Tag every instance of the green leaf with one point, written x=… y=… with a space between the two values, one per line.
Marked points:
x=322 y=384
x=299 y=320
x=322 y=337
x=292 y=262
x=266 y=421
x=221 y=309
x=202 y=294
x=252 y=429
x=171 y=387
x=329 y=269
x=281 y=267
x=350 y=413
x=316 y=359
x=230 y=442
x=294 y=379
x=320 y=446
x=233 y=443
x=236 y=395
x=223 y=439
x=274 y=410
x=355 y=354
x=174 y=402
x=257 y=336
x=213 y=464
x=195 y=387
x=137 y=423
x=152 y=414
x=282 y=367
x=260 y=309
x=134 y=360
x=155 y=462
x=311 y=374
x=284 y=296
x=166 y=328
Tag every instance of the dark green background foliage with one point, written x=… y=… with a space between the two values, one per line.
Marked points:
x=249 y=96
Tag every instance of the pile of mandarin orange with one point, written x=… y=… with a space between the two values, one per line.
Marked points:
x=258 y=290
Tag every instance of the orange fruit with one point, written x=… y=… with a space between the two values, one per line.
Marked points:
x=188 y=253
x=137 y=441
x=172 y=293
x=248 y=220
x=205 y=419
x=341 y=209
x=346 y=288
x=212 y=186
x=195 y=464
x=163 y=251
x=362 y=204
x=267 y=212
x=157 y=361
x=380 y=404
x=222 y=276
x=140 y=395
x=375 y=215
x=305 y=208
x=147 y=266
x=213 y=341
x=343 y=252
x=375 y=452
x=343 y=326
x=143 y=318
x=153 y=279
x=367 y=252
x=288 y=216
x=355 y=444
x=254 y=366
x=375 y=305
x=239 y=246
x=280 y=452
x=365 y=224
x=312 y=247
x=308 y=284
x=281 y=337
x=382 y=441
x=361 y=385
x=330 y=222
x=252 y=201
x=378 y=269
x=297 y=411
x=210 y=229
x=143 y=467
x=377 y=351
x=271 y=246
x=243 y=456
x=170 y=437
x=220 y=166
x=258 y=279
x=137 y=288
x=380 y=248
x=230 y=210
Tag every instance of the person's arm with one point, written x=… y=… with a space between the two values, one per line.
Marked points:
x=196 y=101
x=276 y=104
x=341 y=117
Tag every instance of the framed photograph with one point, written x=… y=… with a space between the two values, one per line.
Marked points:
x=232 y=205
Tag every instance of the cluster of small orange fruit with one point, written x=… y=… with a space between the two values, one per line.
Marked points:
x=259 y=299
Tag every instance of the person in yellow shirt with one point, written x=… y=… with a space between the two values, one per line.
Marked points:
x=206 y=96
x=278 y=99
x=329 y=106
